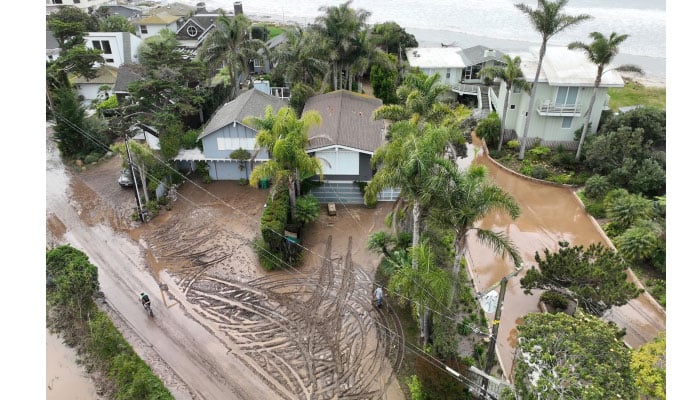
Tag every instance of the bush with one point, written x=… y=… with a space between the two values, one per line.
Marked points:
x=564 y=179
x=596 y=187
x=488 y=129
x=92 y=158
x=513 y=144
x=526 y=168
x=539 y=152
x=539 y=172
x=189 y=139
x=564 y=159
x=555 y=300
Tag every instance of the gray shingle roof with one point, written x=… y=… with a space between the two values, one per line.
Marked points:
x=251 y=103
x=128 y=73
x=479 y=54
x=347 y=121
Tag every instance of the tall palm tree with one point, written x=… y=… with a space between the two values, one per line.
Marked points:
x=285 y=136
x=412 y=161
x=419 y=278
x=600 y=52
x=548 y=19
x=231 y=45
x=512 y=76
x=299 y=57
x=341 y=26
x=468 y=201
x=418 y=95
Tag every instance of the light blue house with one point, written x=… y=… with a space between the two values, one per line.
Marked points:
x=226 y=133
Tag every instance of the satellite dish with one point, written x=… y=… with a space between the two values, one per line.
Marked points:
x=489 y=301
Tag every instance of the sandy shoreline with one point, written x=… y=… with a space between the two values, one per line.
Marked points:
x=435 y=38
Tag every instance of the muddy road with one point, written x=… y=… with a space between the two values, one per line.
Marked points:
x=548 y=215
x=223 y=328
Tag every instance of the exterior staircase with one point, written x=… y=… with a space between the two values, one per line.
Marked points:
x=338 y=192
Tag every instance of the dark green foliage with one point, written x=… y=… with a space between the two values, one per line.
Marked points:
x=625 y=210
x=260 y=32
x=539 y=152
x=596 y=187
x=308 y=209
x=80 y=60
x=76 y=137
x=299 y=94
x=652 y=121
x=555 y=300
x=579 y=357
x=539 y=172
x=628 y=160
x=189 y=139
x=596 y=276
x=391 y=37
x=488 y=129
x=564 y=159
x=116 y=23
x=69 y=24
x=594 y=207
x=280 y=251
x=384 y=82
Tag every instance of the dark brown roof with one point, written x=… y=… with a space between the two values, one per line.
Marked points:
x=347 y=121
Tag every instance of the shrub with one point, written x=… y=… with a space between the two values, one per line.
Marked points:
x=526 y=168
x=596 y=187
x=555 y=300
x=92 y=157
x=564 y=159
x=539 y=172
x=189 y=139
x=539 y=152
x=488 y=129
x=513 y=144
x=497 y=154
x=564 y=179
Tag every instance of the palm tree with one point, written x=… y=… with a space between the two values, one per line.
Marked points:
x=230 y=45
x=512 y=76
x=341 y=26
x=600 y=52
x=418 y=95
x=298 y=58
x=286 y=138
x=548 y=20
x=419 y=278
x=413 y=161
x=469 y=200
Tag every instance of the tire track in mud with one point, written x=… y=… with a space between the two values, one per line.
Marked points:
x=310 y=336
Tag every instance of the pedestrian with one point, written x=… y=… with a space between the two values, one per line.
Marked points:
x=379 y=296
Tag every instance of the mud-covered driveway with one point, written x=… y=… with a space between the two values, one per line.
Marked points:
x=223 y=328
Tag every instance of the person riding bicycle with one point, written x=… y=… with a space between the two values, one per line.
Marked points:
x=145 y=301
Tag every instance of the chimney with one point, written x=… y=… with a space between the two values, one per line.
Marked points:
x=237 y=7
x=201 y=8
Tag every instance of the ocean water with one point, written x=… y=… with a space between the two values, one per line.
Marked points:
x=494 y=23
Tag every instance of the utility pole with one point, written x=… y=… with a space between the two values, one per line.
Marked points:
x=491 y=352
x=141 y=211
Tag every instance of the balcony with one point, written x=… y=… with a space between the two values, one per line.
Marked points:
x=547 y=108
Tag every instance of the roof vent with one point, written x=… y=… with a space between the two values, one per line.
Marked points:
x=489 y=53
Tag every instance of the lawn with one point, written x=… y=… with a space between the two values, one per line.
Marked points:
x=634 y=93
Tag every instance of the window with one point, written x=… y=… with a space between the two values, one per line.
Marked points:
x=566 y=95
x=192 y=31
x=102 y=45
x=512 y=106
x=76 y=1
x=109 y=60
x=257 y=63
x=566 y=122
x=57 y=1
x=144 y=29
x=447 y=75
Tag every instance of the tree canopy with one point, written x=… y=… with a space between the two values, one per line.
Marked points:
x=595 y=276
x=572 y=357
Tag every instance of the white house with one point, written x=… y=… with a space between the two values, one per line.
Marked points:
x=454 y=65
x=563 y=93
x=117 y=47
x=85 y=5
x=150 y=25
x=98 y=88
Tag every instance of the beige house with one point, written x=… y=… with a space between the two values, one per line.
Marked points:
x=564 y=91
x=150 y=25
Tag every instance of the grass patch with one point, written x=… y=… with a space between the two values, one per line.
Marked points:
x=634 y=93
x=273 y=30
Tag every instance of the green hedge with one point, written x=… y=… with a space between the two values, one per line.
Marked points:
x=71 y=283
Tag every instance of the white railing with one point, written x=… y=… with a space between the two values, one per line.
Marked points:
x=493 y=98
x=546 y=107
x=281 y=92
x=464 y=88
